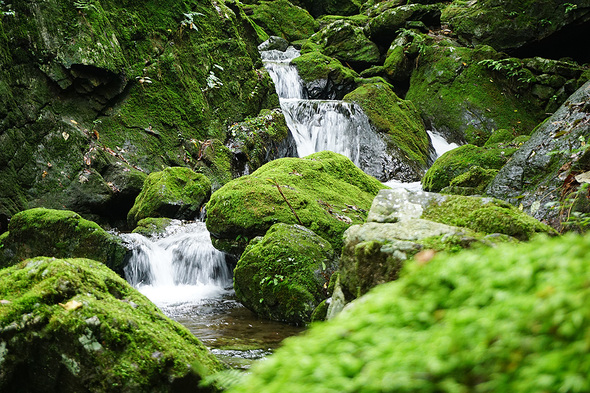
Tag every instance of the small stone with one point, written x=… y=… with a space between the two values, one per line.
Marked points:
x=4 y=301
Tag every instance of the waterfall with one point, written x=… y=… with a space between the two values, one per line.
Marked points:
x=181 y=266
x=316 y=125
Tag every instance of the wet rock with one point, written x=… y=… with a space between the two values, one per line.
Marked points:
x=347 y=43
x=543 y=170
x=399 y=125
x=60 y=234
x=274 y=43
x=83 y=80
x=174 y=193
x=76 y=330
x=284 y=275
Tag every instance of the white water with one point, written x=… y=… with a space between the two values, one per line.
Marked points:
x=180 y=267
x=317 y=125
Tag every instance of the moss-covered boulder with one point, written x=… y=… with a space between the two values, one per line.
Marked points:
x=400 y=125
x=513 y=23
x=284 y=276
x=460 y=93
x=260 y=139
x=152 y=226
x=60 y=234
x=485 y=215
x=283 y=19
x=72 y=325
x=505 y=319
x=460 y=160
x=403 y=223
x=324 y=191
x=128 y=81
x=324 y=77
x=472 y=182
x=541 y=176
x=176 y=192
x=348 y=43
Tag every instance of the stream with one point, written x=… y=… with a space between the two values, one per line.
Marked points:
x=191 y=282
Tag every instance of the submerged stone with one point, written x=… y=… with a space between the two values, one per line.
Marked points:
x=453 y=323
x=284 y=276
x=60 y=234
x=73 y=325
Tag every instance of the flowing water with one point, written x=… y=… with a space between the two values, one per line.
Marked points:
x=190 y=281
x=316 y=125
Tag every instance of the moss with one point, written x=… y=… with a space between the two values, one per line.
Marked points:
x=61 y=234
x=396 y=118
x=174 y=192
x=313 y=65
x=460 y=160
x=96 y=331
x=284 y=276
x=151 y=226
x=499 y=319
x=499 y=136
x=486 y=216
x=472 y=182
x=294 y=23
x=347 y=43
x=455 y=91
x=258 y=138
x=133 y=80
x=326 y=190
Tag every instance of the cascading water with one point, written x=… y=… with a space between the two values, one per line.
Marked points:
x=181 y=267
x=183 y=274
x=316 y=125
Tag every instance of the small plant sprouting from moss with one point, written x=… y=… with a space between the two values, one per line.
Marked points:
x=569 y=7
x=189 y=20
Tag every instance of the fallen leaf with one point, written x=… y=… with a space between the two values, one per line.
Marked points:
x=65 y=135
x=583 y=177
x=74 y=122
x=424 y=256
x=71 y=305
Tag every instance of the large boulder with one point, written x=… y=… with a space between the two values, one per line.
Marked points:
x=348 y=43
x=460 y=160
x=284 y=276
x=324 y=77
x=399 y=125
x=467 y=93
x=513 y=24
x=283 y=19
x=546 y=168
x=127 y=82
x=402 y=223
x=176 y=192
x=324 y=192
x=60 y=234
x=331 y=7
x=73 y=325
x=504 y=319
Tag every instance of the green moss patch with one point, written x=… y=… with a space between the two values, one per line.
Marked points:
x=281 y=18
x=284 y=276
x=61 y=234
x=457 y=161
x=326 y=191
x=485 y=215
x=505 y=319
x=174 y=192
x=74 y=325
x=396 y=118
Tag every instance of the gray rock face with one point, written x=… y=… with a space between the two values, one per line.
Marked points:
x=536 y=173
x=374 y=252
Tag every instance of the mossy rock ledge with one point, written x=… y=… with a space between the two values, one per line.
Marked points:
x=402 y=223
x=73 y=325
x=176 y=192
x=327 y=192
x=455 y=323
x=284 y=276
x=60 y=234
